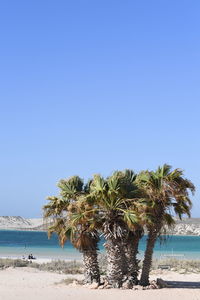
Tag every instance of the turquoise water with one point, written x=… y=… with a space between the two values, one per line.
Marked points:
x=18 y=243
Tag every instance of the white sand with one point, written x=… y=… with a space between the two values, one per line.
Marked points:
x=32 y=284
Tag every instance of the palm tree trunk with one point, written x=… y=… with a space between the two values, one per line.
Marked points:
x=91 y=266
x=151 y=240
x=131 y=254
x=115 y=267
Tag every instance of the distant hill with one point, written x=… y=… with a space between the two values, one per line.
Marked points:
x=184 y=227
x=19 y=223
x=187 y=227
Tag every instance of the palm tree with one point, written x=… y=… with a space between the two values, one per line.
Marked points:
x=71 y=221
x=131 y=251
x=113 y=198
x=165 y=190
x=82 y=228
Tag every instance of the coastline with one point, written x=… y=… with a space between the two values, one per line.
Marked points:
x=184 y=227
x=18 y=243
x=45 y=230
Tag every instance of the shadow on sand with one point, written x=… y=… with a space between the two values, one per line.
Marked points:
x=183 y=284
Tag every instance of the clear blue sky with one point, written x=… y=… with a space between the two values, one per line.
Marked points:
x=93 y=86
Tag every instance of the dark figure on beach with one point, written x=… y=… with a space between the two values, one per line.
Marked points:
x=31 y=256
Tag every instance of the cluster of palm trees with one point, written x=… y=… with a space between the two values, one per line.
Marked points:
x=119 y=208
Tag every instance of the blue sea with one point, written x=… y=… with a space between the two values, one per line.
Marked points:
x=19 y=243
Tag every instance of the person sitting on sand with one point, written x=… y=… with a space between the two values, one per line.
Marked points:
x=31 y=256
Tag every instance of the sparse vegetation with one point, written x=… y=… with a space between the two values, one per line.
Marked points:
x=178 y=265
x=6 y=263
x=70 y=280
x=75 y=267
x=60 y=266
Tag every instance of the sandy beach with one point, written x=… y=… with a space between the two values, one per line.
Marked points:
x=28 y=283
